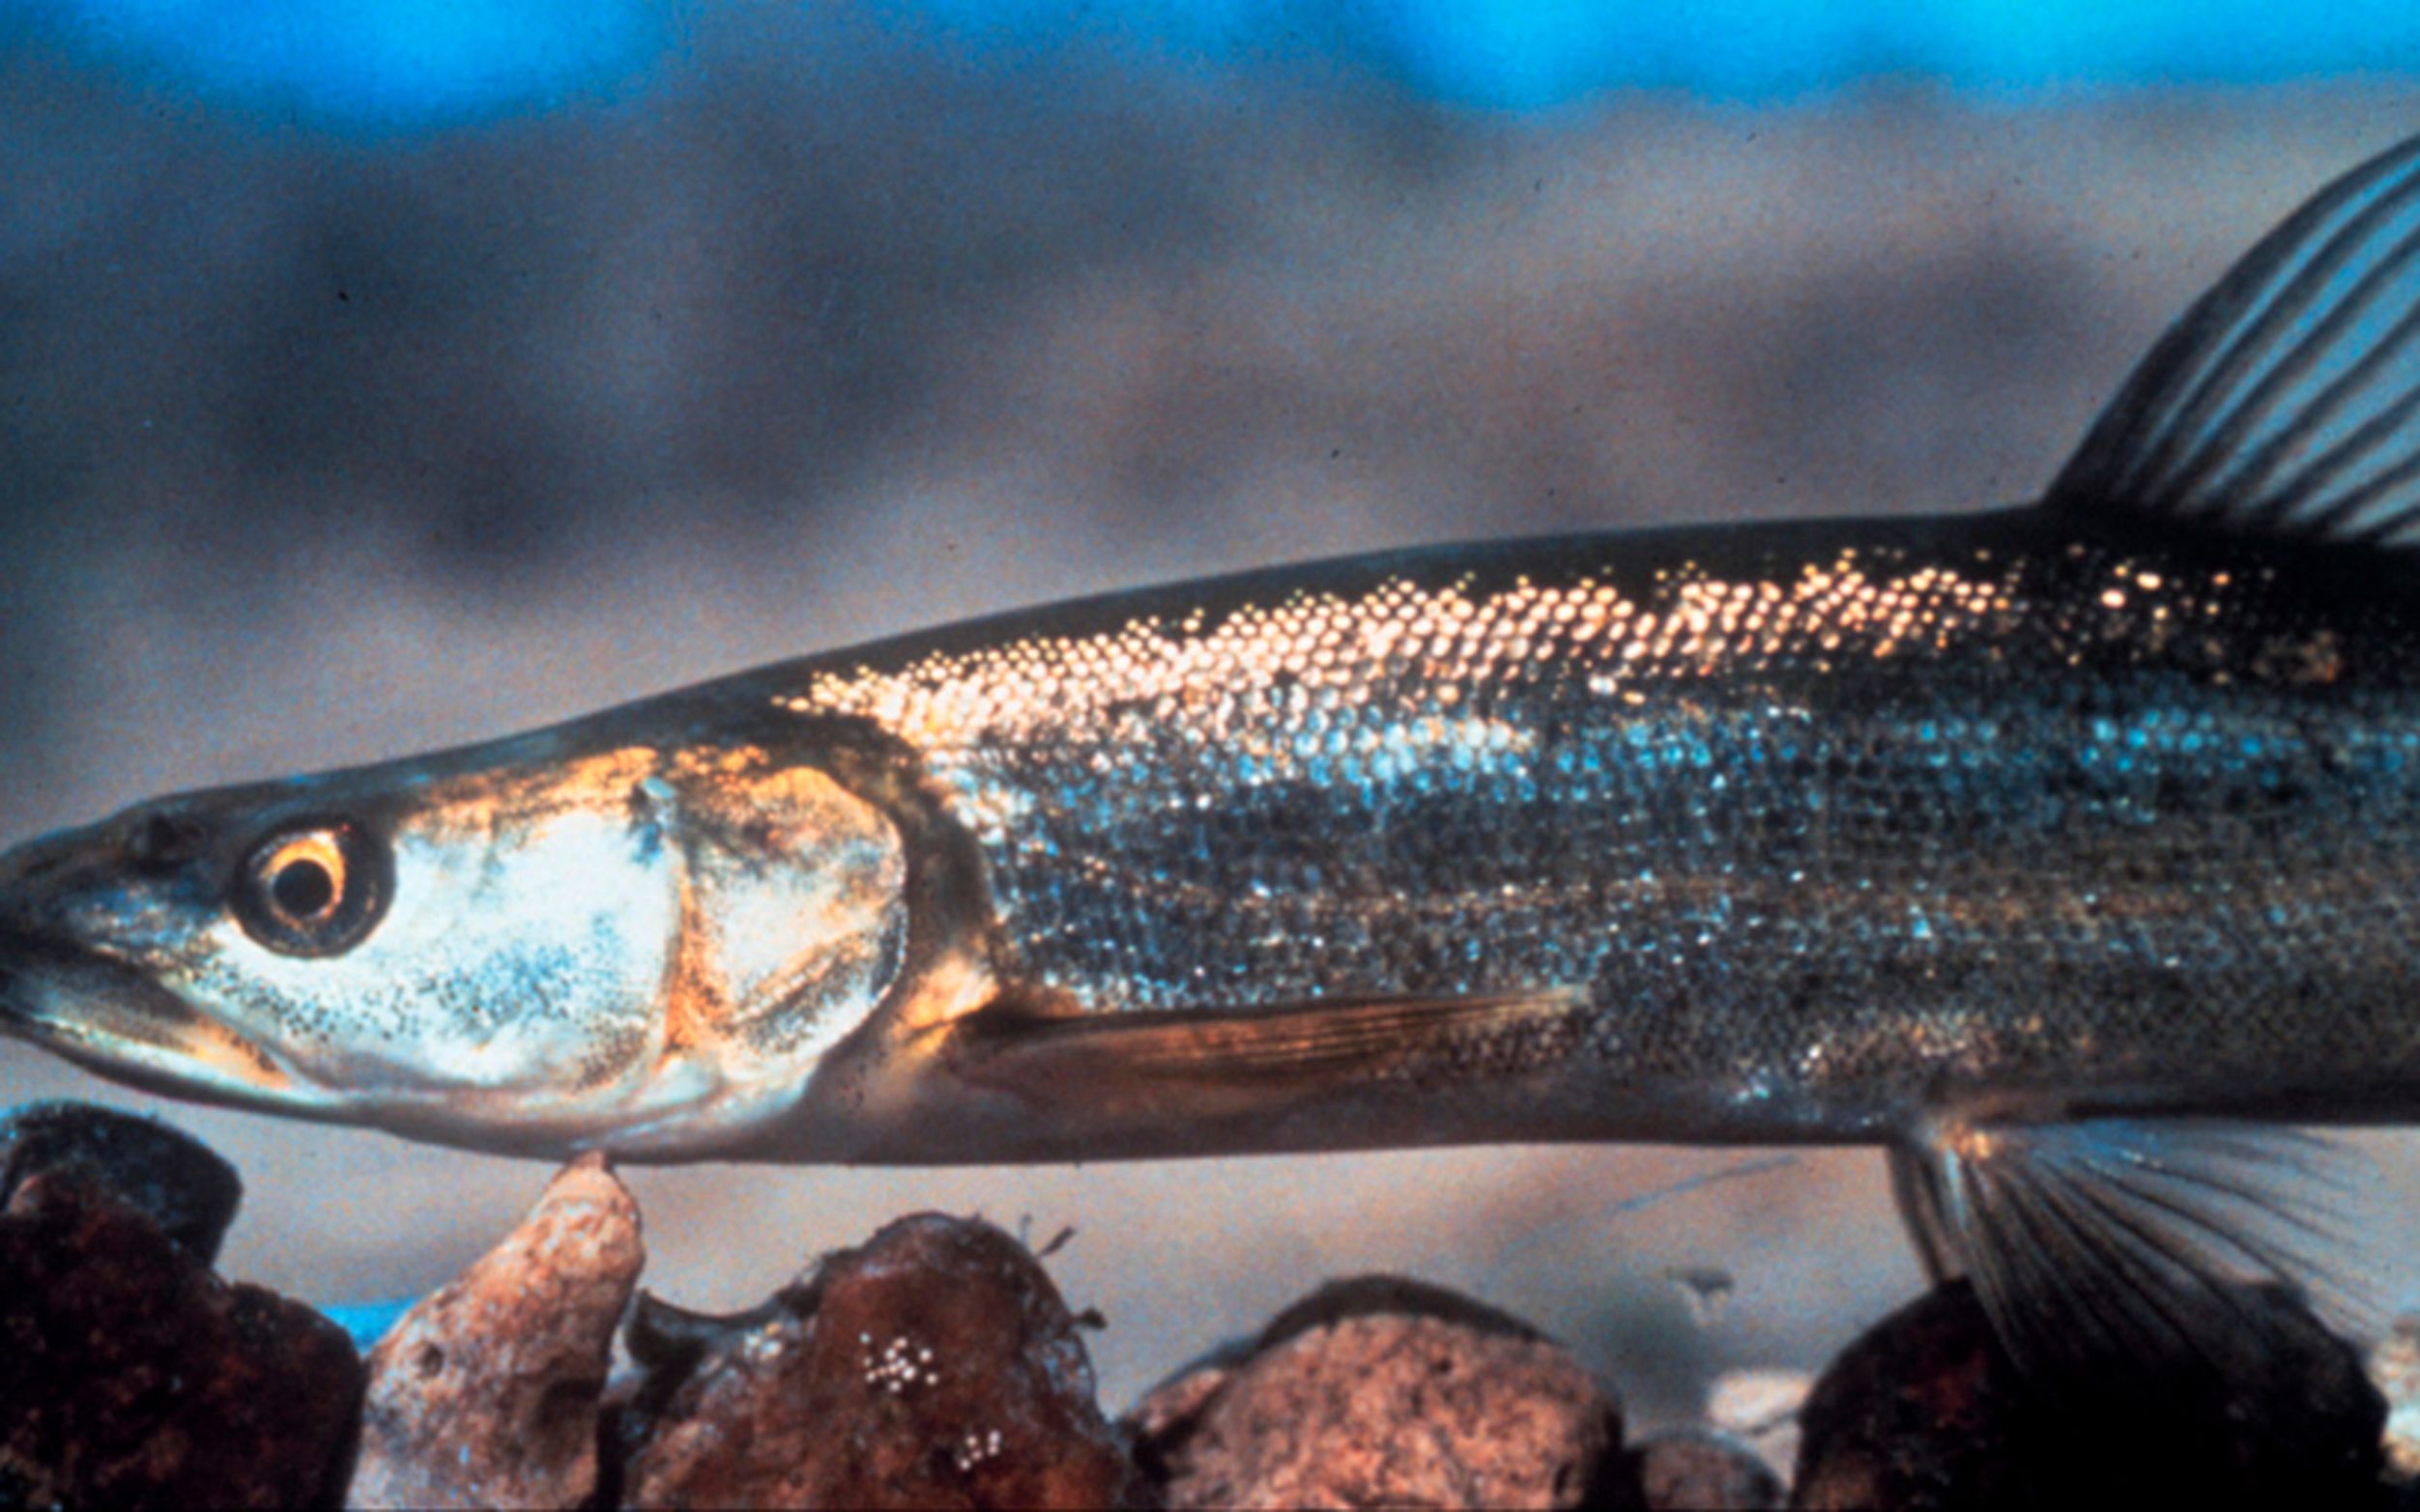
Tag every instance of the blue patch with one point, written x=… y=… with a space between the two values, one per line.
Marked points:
x=413 y=65
x=379 y=65
x=368 y=1322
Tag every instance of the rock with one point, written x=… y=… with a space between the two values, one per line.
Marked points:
x=1386 y=1391
x=1918 y=1412
x=1694 y=1470
x=1168 y=1412
x=1377 y=1296
x=1926 y=1412
x=132 y=1376
x=934 y=1367
x=486 y=1392
x=2395 y=1370
x=189 y=1191
x=1759 y=1408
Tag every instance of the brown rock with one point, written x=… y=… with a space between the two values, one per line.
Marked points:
x=485 y=1393
x=162 y=1172
x=1380 y=1391
x=132 y=1376
x=1704 y=1472
x=936 y=1367
x=1926 y=1412
x=1918 y=1412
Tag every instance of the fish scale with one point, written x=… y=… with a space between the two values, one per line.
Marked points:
x=1769 y=793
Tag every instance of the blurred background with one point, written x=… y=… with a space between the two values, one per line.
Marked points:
x=376 y=375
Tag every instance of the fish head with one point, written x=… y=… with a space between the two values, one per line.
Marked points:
x=539 y=946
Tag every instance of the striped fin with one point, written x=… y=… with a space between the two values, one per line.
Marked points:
x=2116 y=1241
x=1214 y=1062
x=2286 y=402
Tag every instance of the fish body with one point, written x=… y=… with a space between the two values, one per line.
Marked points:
x=2025 y=844
x=1775 y=833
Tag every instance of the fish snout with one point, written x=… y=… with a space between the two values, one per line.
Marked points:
x=75 y=979
x=147 y=842
x=144 y=875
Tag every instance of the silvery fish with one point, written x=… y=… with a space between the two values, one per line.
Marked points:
x=2066 y=851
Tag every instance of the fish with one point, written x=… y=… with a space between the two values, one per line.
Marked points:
x=2067 y=851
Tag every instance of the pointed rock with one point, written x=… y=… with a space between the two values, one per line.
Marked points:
x=486 y=1392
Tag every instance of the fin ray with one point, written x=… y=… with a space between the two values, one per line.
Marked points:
x=2155 y=1275
x=2083 y=1222
x=1236 y=1060
x=2255 y=474
x=2134 y=1236
x=1918 y=1199
x=2244 y=411
x=2286 y=403
x=2136 y=436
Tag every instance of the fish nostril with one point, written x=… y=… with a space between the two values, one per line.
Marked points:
x=159 y=840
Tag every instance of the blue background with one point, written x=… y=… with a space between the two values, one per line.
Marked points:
x=399 y=65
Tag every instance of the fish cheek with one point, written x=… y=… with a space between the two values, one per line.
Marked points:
x=533 y=963
x=233 y=981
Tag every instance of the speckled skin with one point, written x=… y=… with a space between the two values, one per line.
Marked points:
x=1833 y=824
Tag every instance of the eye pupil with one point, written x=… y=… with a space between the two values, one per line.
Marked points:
x=303 y=888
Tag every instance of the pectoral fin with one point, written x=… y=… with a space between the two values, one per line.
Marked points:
x=1227 y=1062
x=2132 y=1242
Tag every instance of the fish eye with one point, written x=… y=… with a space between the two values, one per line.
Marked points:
x=314 y=888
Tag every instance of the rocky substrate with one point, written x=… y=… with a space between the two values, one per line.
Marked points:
x=936 y=1366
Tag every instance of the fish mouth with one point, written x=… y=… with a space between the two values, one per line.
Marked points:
x=114 y=1020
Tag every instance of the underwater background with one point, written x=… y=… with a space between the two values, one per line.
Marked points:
x=376 y=375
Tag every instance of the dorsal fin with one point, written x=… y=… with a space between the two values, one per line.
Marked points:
x=2286 y=402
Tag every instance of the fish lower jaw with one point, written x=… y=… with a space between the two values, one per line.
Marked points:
x=686 y=1110
x=115 y=1025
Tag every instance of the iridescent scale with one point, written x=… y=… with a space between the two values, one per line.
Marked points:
x=1831 y=817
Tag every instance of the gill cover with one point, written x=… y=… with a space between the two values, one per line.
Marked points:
x=636 y=947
